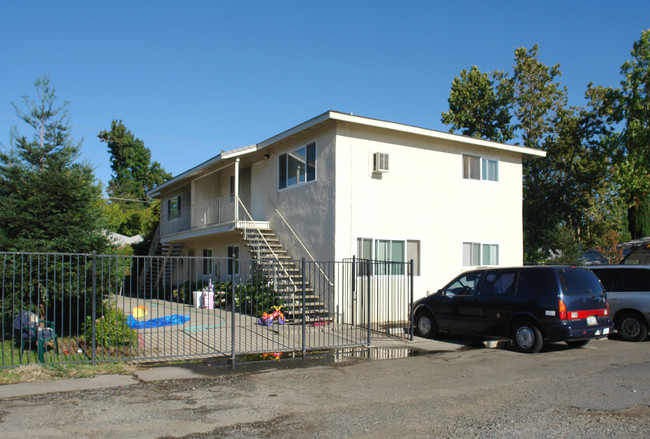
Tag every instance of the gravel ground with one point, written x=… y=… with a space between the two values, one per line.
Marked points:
x=602 y=390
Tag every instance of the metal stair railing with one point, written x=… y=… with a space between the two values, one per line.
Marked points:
x=303 y=246
x=148 y=260
x=259 y=232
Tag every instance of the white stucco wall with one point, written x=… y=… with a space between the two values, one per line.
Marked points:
x=424 y=197
x=309 y=207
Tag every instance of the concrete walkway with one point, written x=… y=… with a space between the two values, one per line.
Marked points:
x=159 y=373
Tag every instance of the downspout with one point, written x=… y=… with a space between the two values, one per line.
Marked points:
x=236 y=193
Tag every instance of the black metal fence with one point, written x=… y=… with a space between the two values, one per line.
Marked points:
x=73 y=308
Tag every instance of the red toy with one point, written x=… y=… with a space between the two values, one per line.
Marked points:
x=267 y=319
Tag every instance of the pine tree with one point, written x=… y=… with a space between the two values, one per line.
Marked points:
x=49 y=201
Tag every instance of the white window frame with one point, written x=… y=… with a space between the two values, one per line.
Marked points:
x=416 y=259
x=482 y=246
x=483 y=162
x=310 y=175
x=363 y=270
x=207 y=266
x=234 y=252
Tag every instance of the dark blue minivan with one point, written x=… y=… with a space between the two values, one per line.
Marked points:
x=530 y=305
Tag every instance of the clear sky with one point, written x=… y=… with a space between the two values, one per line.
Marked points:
x=194 y=78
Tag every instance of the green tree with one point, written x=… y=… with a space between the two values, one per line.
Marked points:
x=49 y=202
x=629 y=105
x=128 y=210
x=564 y=192
x=480 y=106
x=133 y=172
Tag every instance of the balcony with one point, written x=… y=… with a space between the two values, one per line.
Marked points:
x=207 y=214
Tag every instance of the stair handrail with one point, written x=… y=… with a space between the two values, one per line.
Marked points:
x=303 y=246
x=152 y=251
x=295 y=287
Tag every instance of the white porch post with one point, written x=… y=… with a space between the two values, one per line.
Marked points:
x=236 y=193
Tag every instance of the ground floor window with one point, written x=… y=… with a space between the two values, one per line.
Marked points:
x=476 y=254
x=388 y=250
x=207 y=262
x=233 y=260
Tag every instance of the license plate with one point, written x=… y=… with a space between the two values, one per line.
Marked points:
x=592 y=320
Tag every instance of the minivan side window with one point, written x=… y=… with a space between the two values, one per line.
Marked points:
x=499 y=283
x=533 y=282
x=464 y=285
x=631 y=280
x=607 y=277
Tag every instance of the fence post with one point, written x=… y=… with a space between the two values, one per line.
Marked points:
x=411 y=304
x=304 y=302
x=353 y=293
x=368 y=305
x=233 y=353
x=94 y=308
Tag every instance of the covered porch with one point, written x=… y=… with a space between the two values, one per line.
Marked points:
x=213 y=201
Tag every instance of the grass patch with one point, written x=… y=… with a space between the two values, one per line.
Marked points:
x=34 y=373
x=29 y=370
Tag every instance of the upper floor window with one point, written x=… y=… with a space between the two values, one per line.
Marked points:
x=174 y=207
x=298 y=166
x=480 y=168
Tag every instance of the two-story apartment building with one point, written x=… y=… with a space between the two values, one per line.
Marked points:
x=339 y=185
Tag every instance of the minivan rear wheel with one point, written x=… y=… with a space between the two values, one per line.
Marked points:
x=425 y=325
x=527 y=337
x=631 y=327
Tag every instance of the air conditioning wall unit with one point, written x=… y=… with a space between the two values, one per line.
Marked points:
x=380 y=162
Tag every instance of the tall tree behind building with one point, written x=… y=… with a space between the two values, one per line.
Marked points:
x=563 y=192
x=629 y=106
x=133 y=172
x=129 y=211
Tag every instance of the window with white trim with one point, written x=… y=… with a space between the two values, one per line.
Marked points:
x=174 y=207
x=413 y=253
x=233 y=260
x=477 y=254
x=480 y=168
x=297 y=167
x=388 y=250
x=207 y=261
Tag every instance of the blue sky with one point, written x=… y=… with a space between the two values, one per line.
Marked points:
x=194 y=78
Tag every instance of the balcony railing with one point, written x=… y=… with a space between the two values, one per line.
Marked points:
x=206 y=214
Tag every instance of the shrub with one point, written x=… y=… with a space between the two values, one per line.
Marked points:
x=112 y=328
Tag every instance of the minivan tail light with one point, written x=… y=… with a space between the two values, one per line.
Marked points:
x=562 y=310
x=606 y=313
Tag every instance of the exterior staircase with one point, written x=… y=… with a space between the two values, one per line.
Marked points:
x=273 y=262
x=159 y=268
